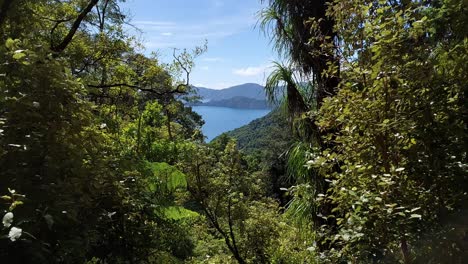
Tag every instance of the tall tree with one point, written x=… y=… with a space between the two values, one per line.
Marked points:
x=305 y=35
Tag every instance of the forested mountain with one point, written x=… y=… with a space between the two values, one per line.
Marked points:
x=248 y=90
x=101 y=161
x=245 y=96
x=271 y=133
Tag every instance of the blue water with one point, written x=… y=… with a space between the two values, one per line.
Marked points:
x=222 y=119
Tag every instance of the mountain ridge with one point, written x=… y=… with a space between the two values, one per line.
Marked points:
x=248 y=90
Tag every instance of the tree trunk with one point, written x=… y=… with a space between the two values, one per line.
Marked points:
x=60 y=47
x=405 y=251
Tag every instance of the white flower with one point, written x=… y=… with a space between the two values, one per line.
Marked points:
x=15 y=233
x=7 y=219
x=36 y=104
x=103 y=125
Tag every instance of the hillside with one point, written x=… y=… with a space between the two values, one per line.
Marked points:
x=269 y=135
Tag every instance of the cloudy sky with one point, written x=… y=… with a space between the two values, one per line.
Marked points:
x=238 y=52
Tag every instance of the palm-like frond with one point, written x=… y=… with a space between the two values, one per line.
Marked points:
x=297 y=158
x=272 y=24
x=303 y=208
x=288 y=22
x=282 y=77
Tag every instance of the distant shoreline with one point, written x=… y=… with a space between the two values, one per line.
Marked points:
x=237 y=102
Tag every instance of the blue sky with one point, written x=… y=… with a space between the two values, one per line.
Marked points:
x=238 y=52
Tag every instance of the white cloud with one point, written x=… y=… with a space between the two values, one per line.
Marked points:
x=253 y=71
x=188 y=33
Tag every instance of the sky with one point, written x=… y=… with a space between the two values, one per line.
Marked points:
x=238 y=51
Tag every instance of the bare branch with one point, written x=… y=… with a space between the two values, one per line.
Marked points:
x=63 y=45
x=113 y=85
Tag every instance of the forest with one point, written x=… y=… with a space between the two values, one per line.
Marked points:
x=102 y=162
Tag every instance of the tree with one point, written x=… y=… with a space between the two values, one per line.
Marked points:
x=69 y=84
x=392 y=135
x=233 y=203
x=305 y=35
x=400 y=139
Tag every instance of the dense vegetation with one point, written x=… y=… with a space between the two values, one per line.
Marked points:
x=377 y=94
x=271 y=133
x=101 y=162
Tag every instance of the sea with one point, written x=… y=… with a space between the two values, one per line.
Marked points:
x=222 y=119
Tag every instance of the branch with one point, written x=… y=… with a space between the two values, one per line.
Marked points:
x=187 y=71
x=178 y=89
x=113 y=85
x=102 y=17
x=231 y=233
x=74 y=28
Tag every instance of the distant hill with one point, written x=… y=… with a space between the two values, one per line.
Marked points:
x=248 y=90
x=240 y=102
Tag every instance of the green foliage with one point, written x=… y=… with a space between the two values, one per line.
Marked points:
x=270 y=135
x=107 y=165
x=166 y=178
x=388 y=168
x=233 y=201
x=400 y=140
x=178 y=213
x=96 y=183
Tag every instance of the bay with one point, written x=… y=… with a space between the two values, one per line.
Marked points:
x=222 y=119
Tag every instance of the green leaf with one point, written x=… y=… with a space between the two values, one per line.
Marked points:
x=165 y=174
x=10 y=43
x=6 y=197
x=416 y=216
x=178 y=213
x=18 y=55
x=15 y=204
